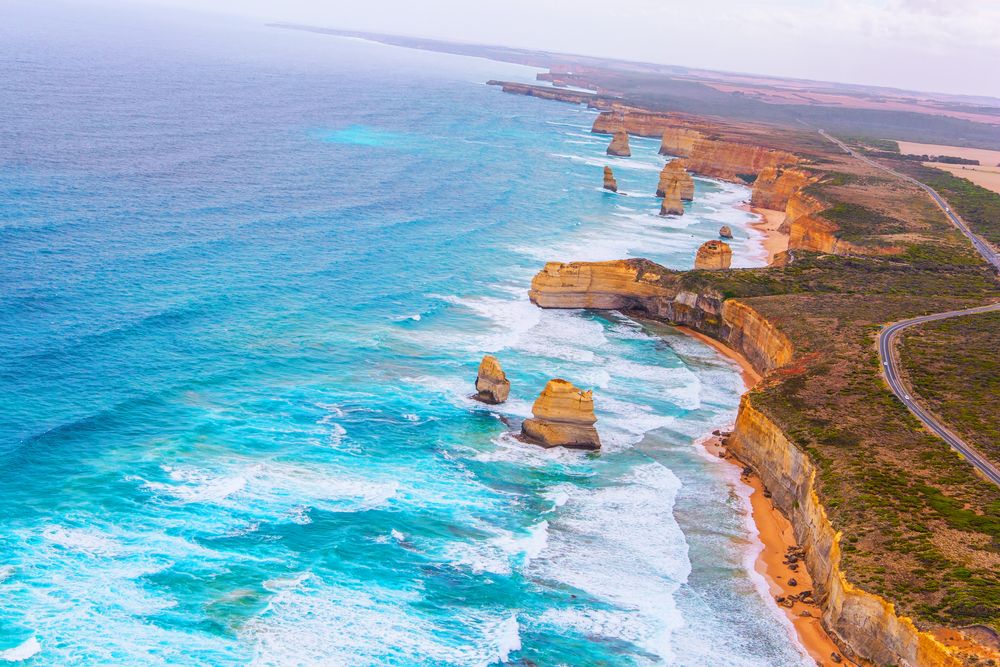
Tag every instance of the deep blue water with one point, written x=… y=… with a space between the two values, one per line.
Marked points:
x=246 y=277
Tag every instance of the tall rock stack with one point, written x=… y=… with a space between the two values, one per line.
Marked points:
x=492 y=385
x=609 y=180
x=675 y=171
x=672 y=204
x=619 y=144
x=563 y=417
x=713 y=255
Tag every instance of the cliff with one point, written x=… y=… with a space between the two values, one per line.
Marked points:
x=640 y=285
x=609 y=180
x=676 y=172
x=678 y=141
x=547 y=92
x=863 y=622
x=775 y=186
x=731 y=161
x=563 y=416
x=866 y=623
x=638 y=123
x=713 y=255
x=806 y=230
x=619 y=145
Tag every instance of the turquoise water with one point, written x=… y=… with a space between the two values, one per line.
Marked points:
x=246 y=277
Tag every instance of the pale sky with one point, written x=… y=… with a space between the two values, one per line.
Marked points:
x=934 y=45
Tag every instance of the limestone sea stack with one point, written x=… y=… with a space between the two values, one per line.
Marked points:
x=619 y=144
x=675 y=171
x=609 y=180
x=713 y=255
x=563 y=417
x=492 y=385
x=725 y=232
x=672 y=204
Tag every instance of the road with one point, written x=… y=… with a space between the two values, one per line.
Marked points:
x=981 y=246
x=887 y=338
x=890 y=369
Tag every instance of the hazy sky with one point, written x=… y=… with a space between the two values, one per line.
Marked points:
x=939 y=45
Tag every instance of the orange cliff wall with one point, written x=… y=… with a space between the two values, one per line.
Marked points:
x=806 y=230
x=865 y=623
x=775 y=186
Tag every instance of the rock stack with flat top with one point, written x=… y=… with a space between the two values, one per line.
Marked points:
x=672 y=204
x=672 y=172
x=563 y=417
x=713 y=255
x=609 y=180
x=492 y=385
x=619 y=144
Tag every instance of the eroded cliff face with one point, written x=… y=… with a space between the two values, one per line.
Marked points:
x=635 y=122
x=675 y=172
x=609 y=180
x=678 y=141
x=806 y=230
x=639 y=285
x=775 y=186
x=562 y=416
x=713 y=255
x=672 y=204
x=619 y=145
x=731 y=161
x=492 y=385
x=864 y=622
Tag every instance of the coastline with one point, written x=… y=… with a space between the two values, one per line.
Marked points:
x=775 y=534
x=775 y=240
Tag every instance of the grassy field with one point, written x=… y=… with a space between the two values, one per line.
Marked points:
x=979 y=207
x=954 y=367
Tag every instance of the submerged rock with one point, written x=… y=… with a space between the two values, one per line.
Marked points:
x=619 y=144
x=713 y=255
x=492 y=385
x=672 y=204
x=563 y=417
x=609 y=180
x=725 y=232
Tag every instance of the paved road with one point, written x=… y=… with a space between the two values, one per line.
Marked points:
x=981 y=246
x=890 y=369
x=887 y=338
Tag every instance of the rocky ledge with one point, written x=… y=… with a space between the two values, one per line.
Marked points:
x=563 y=417
x=675 y=172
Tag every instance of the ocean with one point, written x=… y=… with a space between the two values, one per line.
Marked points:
x=246 y=278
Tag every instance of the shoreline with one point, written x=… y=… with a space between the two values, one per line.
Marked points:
x=776 y=537
x=775 y=241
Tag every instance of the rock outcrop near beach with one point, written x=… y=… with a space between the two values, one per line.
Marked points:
x=776 y=185
x=672 y=204
x=713 y=255
x=725 y=232
x=492 y=385
x=674 y=172
x=609 y=180
x=545 y=92
x=619 y=145
x=734 y=162
x=563 y=417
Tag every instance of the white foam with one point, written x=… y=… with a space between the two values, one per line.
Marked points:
x=82 y=540
x=508 y=638
x=22 y=651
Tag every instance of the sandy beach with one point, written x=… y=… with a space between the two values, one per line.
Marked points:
x=775 y=241
x=776 y=535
